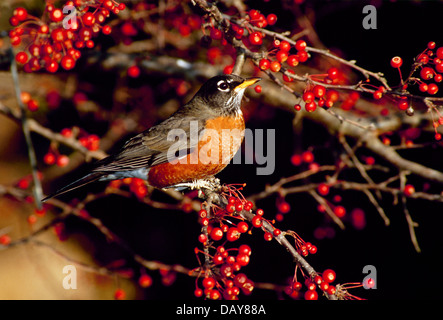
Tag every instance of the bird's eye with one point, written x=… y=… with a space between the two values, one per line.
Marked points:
x=223 y=86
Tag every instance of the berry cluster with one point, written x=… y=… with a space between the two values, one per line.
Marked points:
x=223 y=278
x=29 y=102
x=426 y=74
x=284 y=52
x=307 y=157
x=89 y=141
x=321 y=281
x=136 y=185
x=226 y=282
x=429 y=66
x=52 y=42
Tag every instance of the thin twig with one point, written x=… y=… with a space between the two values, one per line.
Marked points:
x=38 y=192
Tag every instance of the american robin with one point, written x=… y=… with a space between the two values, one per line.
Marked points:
x=193 y=144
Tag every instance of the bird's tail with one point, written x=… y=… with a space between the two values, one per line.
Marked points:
x=94 y=176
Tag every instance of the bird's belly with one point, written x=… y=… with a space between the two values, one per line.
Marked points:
x=217 y=146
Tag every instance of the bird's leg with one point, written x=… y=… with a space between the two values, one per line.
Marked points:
x=211 y=183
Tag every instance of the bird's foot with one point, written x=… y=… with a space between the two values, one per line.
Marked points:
x=212 y=184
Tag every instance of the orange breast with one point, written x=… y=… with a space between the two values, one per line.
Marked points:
x=216 y=147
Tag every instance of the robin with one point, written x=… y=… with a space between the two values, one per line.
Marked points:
x=187 y=149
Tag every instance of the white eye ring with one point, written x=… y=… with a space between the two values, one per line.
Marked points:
x=222 y=86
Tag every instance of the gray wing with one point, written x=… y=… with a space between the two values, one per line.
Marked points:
x=178 y=133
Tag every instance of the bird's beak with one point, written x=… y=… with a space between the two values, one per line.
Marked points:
x=246 y=83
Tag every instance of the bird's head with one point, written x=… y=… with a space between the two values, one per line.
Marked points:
x=224 y=93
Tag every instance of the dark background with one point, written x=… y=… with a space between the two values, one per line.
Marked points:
x=403 y=28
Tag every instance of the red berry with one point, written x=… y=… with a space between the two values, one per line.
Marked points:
x=208 y=283
x=427 y=73
x=302 y=56
x=248 y=206
x=285 y=46
x=319 y=91
x=292 y=60
x=52 y=66
x=214 y=294
x=49 y=158
x=331 y=290
x=232 y=234
x=329 y=275
x=312 y=249
x=333 y=73
x=62 y=160
x=423 y=87
x=56 y=15
x=240 y=279
x=88 y=19
x=439 y=53
x=268 y=236
x=20 y=13
x=202 y=238
x=254 y=14
x=258 y=88
x=21 y=57
x=423 y=58
x=396 y=62
x=107 y=30
x=260 y=212
x=403 y=104
x=300 y=45
x=13 y=21
x=308 y=96
x=202 y=213
x=275 y=66
x=244 y=249
x=242 y=259
x=409 y=189
x=216 y=234
x=134 y=71
x=281 y=56
x=284 y=207
x=145 y=281
x=255 y=38
x=272 y=19
x=32 y=105
x=67 y=63
x=119 y=294
x=311 y=106
x=311 y=295
x=323 y=189
x=340 y=211
x=431 y=45
x=432 y=88
x=216 y=34
x=307 y=157
x=264 y=64
x=257 y=221
x=242 y=227
x=297 y=286
x=198 y=292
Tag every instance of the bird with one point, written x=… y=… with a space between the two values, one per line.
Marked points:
x=185 y=150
